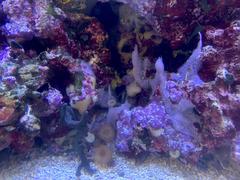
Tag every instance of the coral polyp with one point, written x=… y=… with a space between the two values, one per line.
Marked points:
x=102 y=155
x=106 y=132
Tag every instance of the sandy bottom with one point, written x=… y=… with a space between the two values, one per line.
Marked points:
x=42 y=166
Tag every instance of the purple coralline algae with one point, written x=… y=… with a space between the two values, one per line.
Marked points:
x=28 y=19
x=54 y=98
x=4 y=54
x=154 y=118
x=81 y=91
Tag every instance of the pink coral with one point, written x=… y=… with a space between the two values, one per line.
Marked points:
x=218 y=98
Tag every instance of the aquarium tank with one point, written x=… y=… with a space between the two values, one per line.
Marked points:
x=119 y=89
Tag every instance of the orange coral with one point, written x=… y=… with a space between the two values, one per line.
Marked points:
x=102 y=155
x=106 y=132
x=6 y=114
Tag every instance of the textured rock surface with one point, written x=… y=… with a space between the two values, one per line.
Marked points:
x=218 y=99
x=178 y=20
x=61 y=69
x=27 y=19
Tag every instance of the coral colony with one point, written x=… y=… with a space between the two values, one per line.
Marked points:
x=130 y=77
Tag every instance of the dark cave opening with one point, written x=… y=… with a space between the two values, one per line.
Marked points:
x=108 y=15
x=38 y=141
x=74 y=30
x=3 y=40
x=171 y=62
x=60 y=78
x=3 y=18
x=44 y=87
x=37 y=44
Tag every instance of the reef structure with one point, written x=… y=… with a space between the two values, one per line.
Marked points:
x=179 y=20
x=61 y=70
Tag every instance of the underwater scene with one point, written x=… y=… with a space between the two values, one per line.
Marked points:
x=119 y=89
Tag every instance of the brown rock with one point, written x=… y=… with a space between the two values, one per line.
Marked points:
x=6 y=115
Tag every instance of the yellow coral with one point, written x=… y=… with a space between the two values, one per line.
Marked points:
x=82 y=105
x=116 y=81
x=133 y=89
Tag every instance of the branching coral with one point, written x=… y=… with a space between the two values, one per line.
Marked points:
x=167 y=115
x=138 y=73
x=181 y=95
